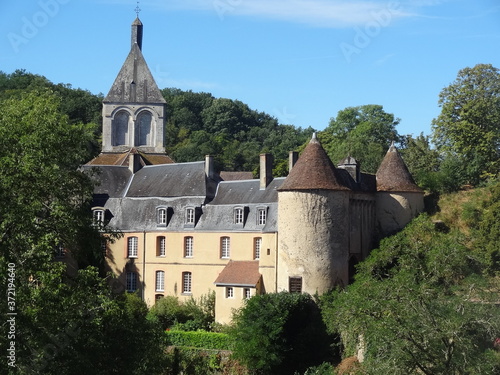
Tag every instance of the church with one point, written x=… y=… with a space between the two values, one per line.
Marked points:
x=188 y=230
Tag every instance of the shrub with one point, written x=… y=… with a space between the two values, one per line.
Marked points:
x=279 y=333
x=199 y=339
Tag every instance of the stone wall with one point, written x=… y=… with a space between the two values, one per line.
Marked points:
x=313 y=239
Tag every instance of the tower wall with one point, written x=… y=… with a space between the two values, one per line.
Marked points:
x=157 y=127
x=395 y=210
x=313 y=241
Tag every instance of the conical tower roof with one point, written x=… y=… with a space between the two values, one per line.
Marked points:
x=393 y=175
x=314 y=170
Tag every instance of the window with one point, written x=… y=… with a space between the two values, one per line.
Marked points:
x=295 y=284
x=131 y=281
x=247 y=293
x=229 y=292
x=224 y=247
x=143 y=129
x=190 y=216
x=104 y=247
x=161 y=243
x=158 y=297
x=98 y=216
x=186 y=282
x=160 y=281
x=161 y=216
x=261 y=216
x=119 y=129
x=238 y=215
x=257 y=244
x=188 y=247
x=60 y=251
x=132 y=247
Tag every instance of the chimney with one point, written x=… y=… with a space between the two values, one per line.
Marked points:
x=137 y=33
x=351 y=165
x=134 y=161
x=266 y=170
x=293 y=156
x=209 y=166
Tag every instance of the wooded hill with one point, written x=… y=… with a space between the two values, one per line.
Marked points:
x=198 y=124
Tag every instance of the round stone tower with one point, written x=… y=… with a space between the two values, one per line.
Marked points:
x=313 y=225
x=399 y=199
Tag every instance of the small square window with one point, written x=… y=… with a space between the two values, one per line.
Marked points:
x=229 y=292
x=295 y=284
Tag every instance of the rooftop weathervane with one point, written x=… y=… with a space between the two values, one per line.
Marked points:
x=137 y=9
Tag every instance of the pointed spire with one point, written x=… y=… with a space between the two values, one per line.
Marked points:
x=137 y=31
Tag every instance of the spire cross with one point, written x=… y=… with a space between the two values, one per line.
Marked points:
x=137 y=9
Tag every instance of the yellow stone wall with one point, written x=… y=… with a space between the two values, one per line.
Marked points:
x=205 y=264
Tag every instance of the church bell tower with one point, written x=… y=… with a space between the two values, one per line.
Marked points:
x=134 y=110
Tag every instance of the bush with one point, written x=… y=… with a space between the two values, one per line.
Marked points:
x=199 y=339
x=280 y=333
x=189 y=316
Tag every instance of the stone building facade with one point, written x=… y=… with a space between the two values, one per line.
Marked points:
x=187 y=231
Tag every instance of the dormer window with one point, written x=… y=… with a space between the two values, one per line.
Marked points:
x=161 y=216
x=238 y=215
x=261 y=216
x=98 y=215
x=190 y=216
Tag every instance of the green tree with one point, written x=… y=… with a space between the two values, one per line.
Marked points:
x=65 y=322
x=468 y=126
x=420 y=305
x=279 y=333
x=363 y=132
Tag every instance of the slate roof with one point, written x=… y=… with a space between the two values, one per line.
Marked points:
x=248 y=191
x=393 y=175
x=234 y=176
x=169 y=180
x=111 y=180
x=314 y=170
x=218 y=215
x=134 y=71
x=139 y=214
x=239 y=273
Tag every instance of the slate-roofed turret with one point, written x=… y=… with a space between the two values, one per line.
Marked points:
x=314 y=170
x=393 y=175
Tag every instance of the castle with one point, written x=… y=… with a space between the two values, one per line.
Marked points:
x=187 y=230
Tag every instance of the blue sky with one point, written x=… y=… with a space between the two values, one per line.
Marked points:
x=298 y=60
